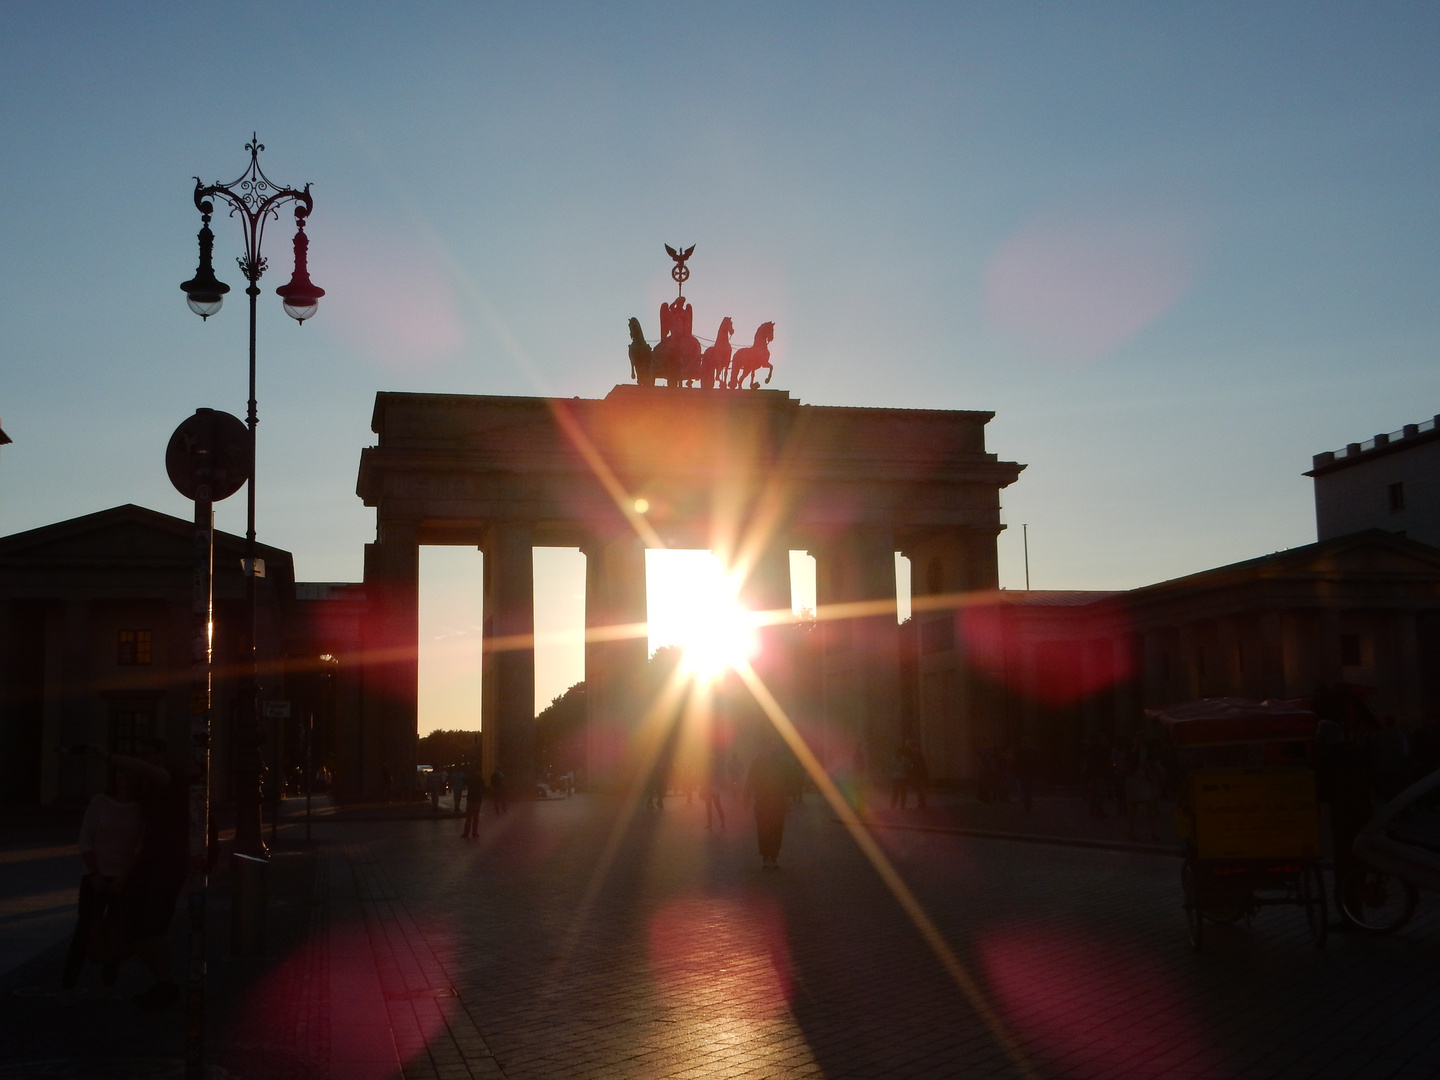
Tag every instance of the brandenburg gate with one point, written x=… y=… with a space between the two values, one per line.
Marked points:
x=746 y=470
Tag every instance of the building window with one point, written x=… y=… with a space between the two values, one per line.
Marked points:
x=134 y=648
x=1350 y=650
x=128 y=726
x=1397 y=497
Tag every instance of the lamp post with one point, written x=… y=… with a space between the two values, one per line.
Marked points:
x=255 y=200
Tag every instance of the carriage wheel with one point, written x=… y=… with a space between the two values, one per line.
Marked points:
x=1377 y=902
x=1194 y=916
x=1317 y=911
x=1226 y=914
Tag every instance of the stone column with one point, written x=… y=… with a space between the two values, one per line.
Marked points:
x=767 y=589
x=862 y=658
x=614 y=667
x=390 y=678
x=971 y=711
x=507 y=713
x=1270 y=661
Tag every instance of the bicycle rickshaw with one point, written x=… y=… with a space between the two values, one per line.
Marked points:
x=1247 y=811
x=1399 y=851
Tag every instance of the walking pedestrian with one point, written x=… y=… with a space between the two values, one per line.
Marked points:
x=917 y=773
x=768 y=788
x=110 y=836
x=160 y=868
x=713 y=782
x=899 y=775
x=1097 y=775
x=499 y=796
x=474 y=798
x=457 y=788
x=1122 y=763
x=1142 y=790
x=1027 y=767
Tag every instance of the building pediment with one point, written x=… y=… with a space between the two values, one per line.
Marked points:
x=122 y=535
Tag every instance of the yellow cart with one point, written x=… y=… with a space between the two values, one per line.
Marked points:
x=1247 y=811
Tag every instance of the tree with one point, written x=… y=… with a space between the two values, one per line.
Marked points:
x=560 y=734
x=446 y=748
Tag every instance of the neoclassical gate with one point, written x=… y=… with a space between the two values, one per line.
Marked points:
x=750 y=472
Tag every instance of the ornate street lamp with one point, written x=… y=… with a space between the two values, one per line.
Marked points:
x=255 y=200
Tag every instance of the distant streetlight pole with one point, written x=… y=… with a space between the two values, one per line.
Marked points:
x=254 y=199
x=1025 y=537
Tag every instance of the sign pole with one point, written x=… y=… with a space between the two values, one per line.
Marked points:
x=202 y=592
x=204 y=463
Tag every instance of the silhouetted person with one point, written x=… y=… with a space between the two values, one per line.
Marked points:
x=713 y=784
x=458 y=782
x=1122 y=761
x=917 y=773
x=161 y=867
x=1142 y=791
x=899 y=777
x=1342 y=774
x=769 y=787
x=1027 y=768
x=655 y=794
x=474 y=798
x=110 y=836
x=1097 y=775
x=499 y=795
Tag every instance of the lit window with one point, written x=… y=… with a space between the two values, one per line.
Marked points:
x=1397 y=497
x=134 y=648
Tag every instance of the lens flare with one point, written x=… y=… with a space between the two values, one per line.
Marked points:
x=1055 y=988
x=695 y=605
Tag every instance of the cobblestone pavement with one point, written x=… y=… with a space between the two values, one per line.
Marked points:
x=39 y=877
x=536 y=951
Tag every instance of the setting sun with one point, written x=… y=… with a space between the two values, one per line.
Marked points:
x=694 y=605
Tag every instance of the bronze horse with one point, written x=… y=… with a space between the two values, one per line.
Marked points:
x=642 y=363
x=749 y=360
x=715 y=362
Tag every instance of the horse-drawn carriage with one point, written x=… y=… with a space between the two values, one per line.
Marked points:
x=680 y=359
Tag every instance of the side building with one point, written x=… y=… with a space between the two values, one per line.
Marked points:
x=1390 y=482
x=1362 y=610
x=95 y=643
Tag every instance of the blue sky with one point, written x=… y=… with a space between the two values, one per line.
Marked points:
x=1177 y=248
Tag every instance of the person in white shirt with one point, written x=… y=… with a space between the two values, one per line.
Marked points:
x=110 y=837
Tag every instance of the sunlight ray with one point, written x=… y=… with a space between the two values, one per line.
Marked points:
x=907 y=899
x=650 y=740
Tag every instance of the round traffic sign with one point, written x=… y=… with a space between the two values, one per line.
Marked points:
x=209 y=456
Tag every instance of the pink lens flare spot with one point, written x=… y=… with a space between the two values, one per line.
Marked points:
x=375 y=1024
x=729 y=951
x=1090 y=653
x=1059 y=989
x=1079 y=289
x=394 y=303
